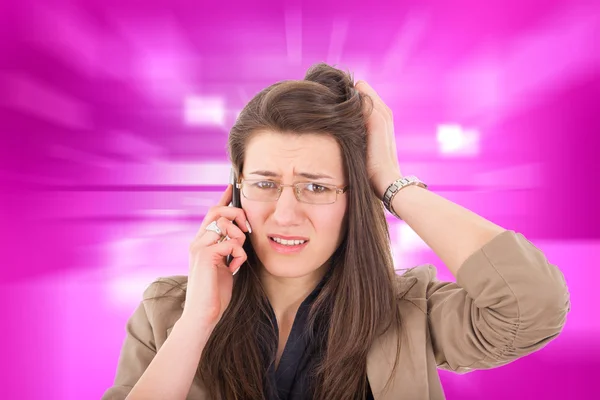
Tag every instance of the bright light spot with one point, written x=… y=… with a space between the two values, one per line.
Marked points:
x=454 y=140
x=162 y=75
x=204 y=110
x=127 y=291
x=125 y=253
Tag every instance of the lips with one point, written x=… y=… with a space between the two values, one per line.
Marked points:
x=287 y=248
x=275 y=235
x=291 y=242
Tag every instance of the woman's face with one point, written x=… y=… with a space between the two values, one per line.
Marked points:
x=272 y=156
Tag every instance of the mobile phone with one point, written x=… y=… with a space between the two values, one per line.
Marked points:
x=235 y=199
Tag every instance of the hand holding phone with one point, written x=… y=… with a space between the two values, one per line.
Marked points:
x=213 y=262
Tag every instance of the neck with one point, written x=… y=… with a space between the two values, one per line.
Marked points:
x=287 y=294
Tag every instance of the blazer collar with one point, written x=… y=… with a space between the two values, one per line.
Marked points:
x=404 y=284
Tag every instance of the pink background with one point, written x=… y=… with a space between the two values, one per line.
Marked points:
x=113 y=124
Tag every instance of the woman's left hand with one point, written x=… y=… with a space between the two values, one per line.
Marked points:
x=382 y=161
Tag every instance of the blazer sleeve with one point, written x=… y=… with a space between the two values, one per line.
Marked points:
x=508 y=301
x=138 y=349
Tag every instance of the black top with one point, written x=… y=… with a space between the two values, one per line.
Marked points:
x=291 y=379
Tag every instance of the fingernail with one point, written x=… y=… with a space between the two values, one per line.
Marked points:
x=248 y=226
x=236 y=271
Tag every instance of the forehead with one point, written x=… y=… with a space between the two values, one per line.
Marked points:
x=284 y=152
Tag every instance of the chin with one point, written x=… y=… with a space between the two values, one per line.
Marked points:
x=284 y=269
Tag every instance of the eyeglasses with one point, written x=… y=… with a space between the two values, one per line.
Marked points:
x=306 y=192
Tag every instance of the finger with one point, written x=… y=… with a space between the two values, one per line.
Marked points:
x=207 y=237
x=232 y=231
x=378 y=102
x=235 y=214
x=233 y=249
x=231 y=213
x=227 y=196
x=366 y=89
x=377 y=122
x=217 y=255
x=235 y=264
x=228 y=229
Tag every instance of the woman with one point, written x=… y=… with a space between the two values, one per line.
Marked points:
x=310 y=305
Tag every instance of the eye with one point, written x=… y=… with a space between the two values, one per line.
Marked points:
x=316 y=188
x=266 y=185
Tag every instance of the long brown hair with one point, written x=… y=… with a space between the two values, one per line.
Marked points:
x=358 y=301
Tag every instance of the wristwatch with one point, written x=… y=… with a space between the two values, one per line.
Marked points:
x=395 y=187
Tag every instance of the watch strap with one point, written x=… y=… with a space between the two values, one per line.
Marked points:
x=395 y=187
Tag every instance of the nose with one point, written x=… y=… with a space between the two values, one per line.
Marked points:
x=287 y=209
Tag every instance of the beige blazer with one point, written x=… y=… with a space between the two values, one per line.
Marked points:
x=508 y=302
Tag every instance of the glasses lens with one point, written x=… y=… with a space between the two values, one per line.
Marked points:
x=312 y=193
x=315 y=193
x=260 y=190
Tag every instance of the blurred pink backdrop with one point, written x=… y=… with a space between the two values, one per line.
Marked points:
x=114 y=120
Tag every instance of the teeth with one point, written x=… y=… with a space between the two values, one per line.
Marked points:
x=288 y=242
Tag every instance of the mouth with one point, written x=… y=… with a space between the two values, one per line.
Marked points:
x=288 y=245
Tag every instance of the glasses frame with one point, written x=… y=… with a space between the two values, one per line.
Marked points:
x=338 y=189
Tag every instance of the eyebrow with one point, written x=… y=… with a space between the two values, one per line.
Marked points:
x=307 y=175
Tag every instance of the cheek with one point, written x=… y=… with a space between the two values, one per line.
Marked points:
x=329 y=221
x=256 y=213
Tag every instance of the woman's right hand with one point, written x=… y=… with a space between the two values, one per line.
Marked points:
x=210 y=280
